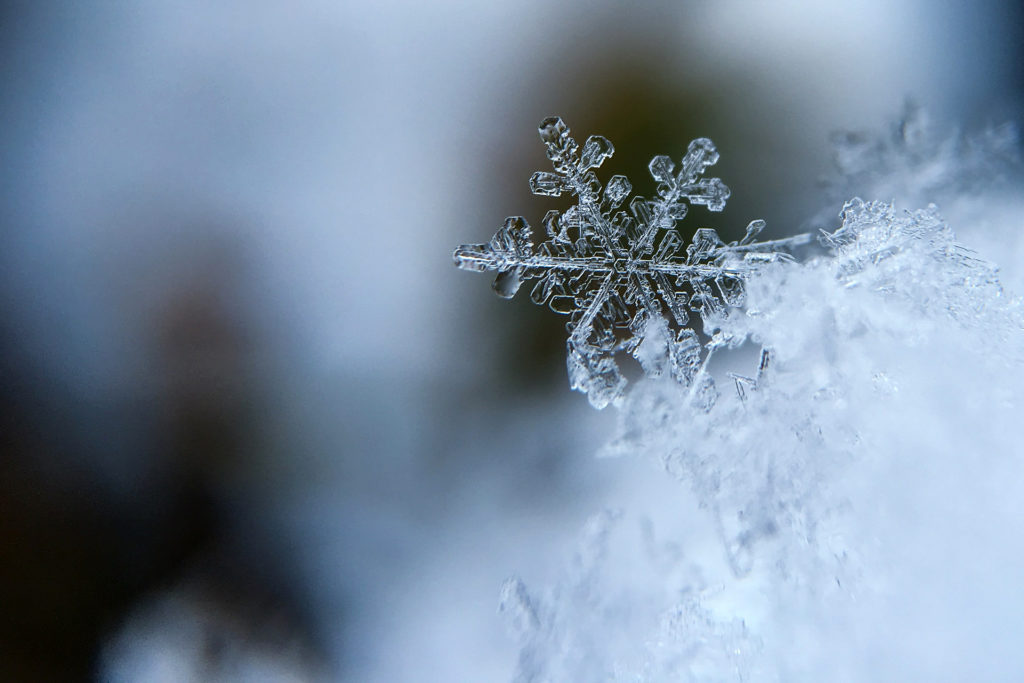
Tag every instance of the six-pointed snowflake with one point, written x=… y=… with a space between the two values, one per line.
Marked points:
x=623 y=276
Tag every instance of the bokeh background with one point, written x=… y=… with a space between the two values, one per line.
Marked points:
x=254 y=423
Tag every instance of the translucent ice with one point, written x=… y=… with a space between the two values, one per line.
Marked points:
x=619 y=274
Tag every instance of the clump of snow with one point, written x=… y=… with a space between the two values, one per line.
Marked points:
x=854 y=512
x=973 y=175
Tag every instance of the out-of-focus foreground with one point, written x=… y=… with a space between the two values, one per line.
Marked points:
x=254 y=423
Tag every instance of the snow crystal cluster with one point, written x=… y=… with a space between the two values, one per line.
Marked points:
x=853 y=513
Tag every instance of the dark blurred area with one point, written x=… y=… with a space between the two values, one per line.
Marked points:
x=254 y=424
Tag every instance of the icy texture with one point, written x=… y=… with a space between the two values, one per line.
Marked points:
x=852 y=511
x=919 y=161
x=862 y=492
x=649 y=619
x=624 y=277
x=975 y=175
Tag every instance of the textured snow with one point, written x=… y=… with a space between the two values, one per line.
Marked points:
x=852 y=514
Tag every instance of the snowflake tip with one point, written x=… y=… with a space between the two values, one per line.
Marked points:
x=474 y=257
x=661 y=168
x=553 y=129
x=596 y=149
x=754 y=229
x=702 y=153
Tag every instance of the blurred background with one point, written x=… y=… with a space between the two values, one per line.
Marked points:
x=254 y=424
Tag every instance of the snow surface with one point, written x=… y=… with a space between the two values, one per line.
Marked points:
x=857 y=514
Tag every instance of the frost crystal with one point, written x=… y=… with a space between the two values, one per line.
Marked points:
x=820 y=513
x=859 y=511
x=624 y=276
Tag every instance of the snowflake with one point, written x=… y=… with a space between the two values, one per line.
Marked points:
x=622 y=276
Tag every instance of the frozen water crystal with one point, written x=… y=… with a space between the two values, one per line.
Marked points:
x=855 y=509
x=621 y=274
x=892 y=397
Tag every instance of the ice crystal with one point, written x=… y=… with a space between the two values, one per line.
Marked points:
x=856 y=503
x=624 y=276
x=819 y=514
x=913 y=256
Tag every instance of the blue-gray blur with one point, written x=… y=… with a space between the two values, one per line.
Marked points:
x=241 y=380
